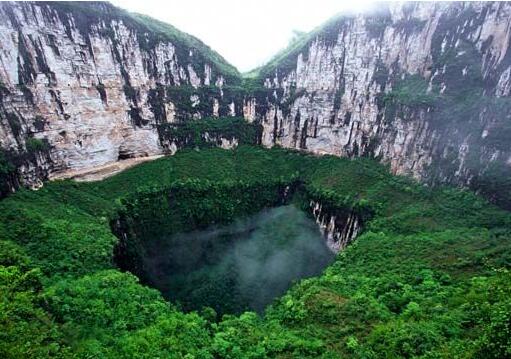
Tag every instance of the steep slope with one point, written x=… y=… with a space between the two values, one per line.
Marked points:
x=83 y=84
x=423 y=86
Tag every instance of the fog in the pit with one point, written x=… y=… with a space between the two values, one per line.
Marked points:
x=242 y=266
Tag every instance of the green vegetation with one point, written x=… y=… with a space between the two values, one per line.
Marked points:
x=429 y=276
x=208 y=132
x=34 y=145
x=11 y=160
x=192 y=101
x=412 y=91
x=494 y=183
x=7 y=173
x=181 y=96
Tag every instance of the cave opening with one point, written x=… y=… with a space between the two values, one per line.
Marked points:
x=240 y=266
x=228 y=248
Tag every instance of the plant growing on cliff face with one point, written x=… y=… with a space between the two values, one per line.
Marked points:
x=6 y=166
x=495 y=183
x=7 y=172
x=209 y=132
x=14 y=123
x=412 y=91
x=34 y=145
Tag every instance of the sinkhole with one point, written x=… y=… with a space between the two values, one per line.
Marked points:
x=229 y=251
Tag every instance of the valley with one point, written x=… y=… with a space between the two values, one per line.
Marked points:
x=348 y=199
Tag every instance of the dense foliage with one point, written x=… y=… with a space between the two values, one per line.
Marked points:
x=209 y=132
x=7 y=172
x=429 y=276
x=11 y=161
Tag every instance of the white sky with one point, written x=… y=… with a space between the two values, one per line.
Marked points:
x=246 y=33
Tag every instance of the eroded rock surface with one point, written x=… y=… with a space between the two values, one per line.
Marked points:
x=94 y=83
x=423 y=86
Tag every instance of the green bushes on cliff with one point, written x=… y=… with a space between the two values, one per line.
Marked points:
x=209 y=132
x=11 y=161
x=428 y=277
x=412 y=91
x=495 y=184
x=7 y=173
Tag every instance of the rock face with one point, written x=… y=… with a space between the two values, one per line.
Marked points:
x=339 y=228
x=89 y=84
x=422 y=86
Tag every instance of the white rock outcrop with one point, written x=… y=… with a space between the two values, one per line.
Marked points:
x=87 y=83
x=331 y=100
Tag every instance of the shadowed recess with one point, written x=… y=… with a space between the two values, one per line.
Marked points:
x=238 y=267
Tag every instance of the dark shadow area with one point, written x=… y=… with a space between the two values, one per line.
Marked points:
x=236 y=267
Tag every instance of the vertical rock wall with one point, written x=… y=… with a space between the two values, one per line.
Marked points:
x=92 y=83
x=422 y=86
x=339 y=227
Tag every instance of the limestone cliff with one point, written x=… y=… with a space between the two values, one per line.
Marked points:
x=422 y=86
x=83 y=84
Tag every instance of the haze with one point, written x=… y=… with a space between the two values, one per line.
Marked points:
x=242 y=266
x=245 y=33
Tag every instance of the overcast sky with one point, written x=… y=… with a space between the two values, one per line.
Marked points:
x=246 y=33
